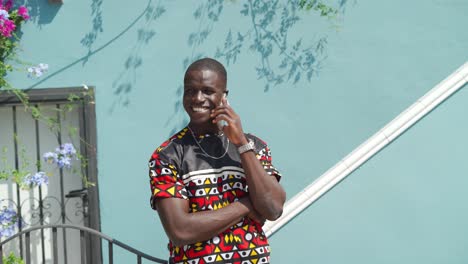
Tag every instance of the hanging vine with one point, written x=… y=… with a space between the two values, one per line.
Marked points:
x=64 y=156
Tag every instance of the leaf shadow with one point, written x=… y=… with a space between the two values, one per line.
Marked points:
x=282 y=59
x=207 y=14
x=97 y=28
x=92 y=52
x=40 y=11
x=125 y=82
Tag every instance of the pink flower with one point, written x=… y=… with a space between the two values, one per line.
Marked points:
x=7 y=27
x=23 y=11
x=8 y=5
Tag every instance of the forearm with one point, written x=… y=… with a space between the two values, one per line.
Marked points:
x=265 y=192
x=188 y=228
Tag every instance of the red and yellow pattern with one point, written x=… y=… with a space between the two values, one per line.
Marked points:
x=209 y=189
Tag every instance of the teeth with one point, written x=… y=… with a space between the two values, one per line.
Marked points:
x=200 y=109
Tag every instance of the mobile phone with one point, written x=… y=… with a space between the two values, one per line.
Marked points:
x=221 y=123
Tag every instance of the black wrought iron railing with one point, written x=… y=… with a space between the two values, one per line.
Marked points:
x=84 y=231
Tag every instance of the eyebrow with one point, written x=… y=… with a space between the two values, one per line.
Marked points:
x=201 y=88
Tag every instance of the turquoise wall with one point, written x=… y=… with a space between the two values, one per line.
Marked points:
x=406 y=205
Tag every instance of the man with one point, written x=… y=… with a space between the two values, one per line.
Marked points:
x=213 y=186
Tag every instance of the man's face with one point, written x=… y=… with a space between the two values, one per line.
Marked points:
x=203 y=91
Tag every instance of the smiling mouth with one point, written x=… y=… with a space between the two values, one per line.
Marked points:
x=200 y=109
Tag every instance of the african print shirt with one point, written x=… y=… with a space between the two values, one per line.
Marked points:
x=179 y=168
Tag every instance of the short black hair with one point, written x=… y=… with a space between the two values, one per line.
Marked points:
x=209 y=64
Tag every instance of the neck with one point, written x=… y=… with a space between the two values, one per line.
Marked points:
x=204 y=129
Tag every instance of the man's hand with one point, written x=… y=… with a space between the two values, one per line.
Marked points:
x=233 y=130
x=265 y=192
x=257 y=217
x=253 y=214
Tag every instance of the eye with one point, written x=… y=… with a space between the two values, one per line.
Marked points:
x=208 y=91
x=188 y=91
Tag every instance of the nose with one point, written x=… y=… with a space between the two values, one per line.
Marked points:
x=198 y=96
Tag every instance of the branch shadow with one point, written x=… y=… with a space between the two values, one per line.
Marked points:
x=207 y=15
x=89 y=39
x=92 y=52
x=281 y=60
x=126 y=79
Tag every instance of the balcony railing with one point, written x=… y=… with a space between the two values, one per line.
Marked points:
x=84 y=231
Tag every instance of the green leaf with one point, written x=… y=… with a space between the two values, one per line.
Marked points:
x=35 y=112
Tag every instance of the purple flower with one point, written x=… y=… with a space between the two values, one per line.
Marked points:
x=64 y=161
x=50 y=157
x=4 y=14
x=7 y=215
x=7 y=231
x=62 y=156
x=8 y=221
x=38 y=71
x=38 y=179
x=43 y=66
x=69 y=149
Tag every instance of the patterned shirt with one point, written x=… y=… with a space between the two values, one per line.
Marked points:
x=179 y=168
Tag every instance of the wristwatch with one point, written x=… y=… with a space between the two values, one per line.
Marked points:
x=246 y=147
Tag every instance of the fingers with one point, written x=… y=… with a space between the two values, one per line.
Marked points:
x=233 y=130
x=223 y=117
x=255 y=216
x=223 y=110
x=224 y=113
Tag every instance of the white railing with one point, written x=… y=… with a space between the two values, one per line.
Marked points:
x=370 y=147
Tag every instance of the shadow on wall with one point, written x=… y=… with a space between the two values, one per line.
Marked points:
x=281 y=59
x=40 y=11
x=90 y=37
x=126 y=79
x=91 y=52
x=206 y=14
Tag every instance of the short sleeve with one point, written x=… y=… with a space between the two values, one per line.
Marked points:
x=264 y=156
x=164 y=180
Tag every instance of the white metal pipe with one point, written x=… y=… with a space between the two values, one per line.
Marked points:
x=370 y=147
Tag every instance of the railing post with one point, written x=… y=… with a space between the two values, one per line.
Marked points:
x=54 y=244
x=83 y=246
x=111 y=253
x=85 y=232
x=28 y=248
x=1 y=254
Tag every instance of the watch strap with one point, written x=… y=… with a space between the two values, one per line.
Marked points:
x=246 y=147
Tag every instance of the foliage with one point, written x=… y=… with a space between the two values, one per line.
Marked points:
x=7 y=172
x=64 y=155
x=323 y=9
x=10 y=20
x=12 y=259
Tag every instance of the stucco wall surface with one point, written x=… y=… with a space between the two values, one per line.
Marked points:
x=406 y=205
